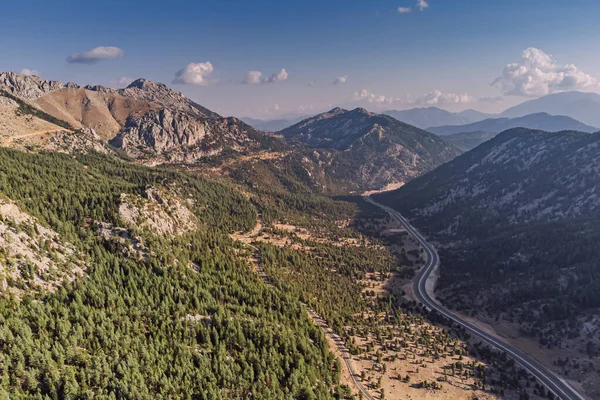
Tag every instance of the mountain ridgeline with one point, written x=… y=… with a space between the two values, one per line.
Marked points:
x=370 y=149
x=147 y=120
x=432 y=116
x=539 y=121
x=337 y=152
x=582 y=106
x=521 y=212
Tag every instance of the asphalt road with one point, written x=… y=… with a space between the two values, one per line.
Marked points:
x=553 y=383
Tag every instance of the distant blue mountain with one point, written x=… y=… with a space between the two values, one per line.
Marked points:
x=584 y=107
x=541 y=121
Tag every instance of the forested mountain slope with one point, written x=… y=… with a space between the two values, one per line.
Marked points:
x=185 y=318
x=469 y=140
x=370 y=149
x=520 y=216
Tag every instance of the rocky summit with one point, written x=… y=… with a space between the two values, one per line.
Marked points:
x=147 y=120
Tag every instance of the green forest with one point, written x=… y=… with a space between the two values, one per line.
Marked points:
x=155 y=328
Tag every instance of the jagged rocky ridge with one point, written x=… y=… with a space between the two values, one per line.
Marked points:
x=147 y=120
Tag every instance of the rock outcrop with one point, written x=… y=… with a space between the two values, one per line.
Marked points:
x=159 y=93
x=27 y=87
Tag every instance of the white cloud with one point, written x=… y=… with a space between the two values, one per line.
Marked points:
x=122 y=81
x=278 y=76
x=404 y=10
x=365 y=95
x=256 y=77
x=312 y=83
x=30 y=72
x=439 y=98
x=194 y=74
x=340 y=80
x=435 y=98
x=96 y=54
x=253 y=77
x=537 y=74
x=422 y=5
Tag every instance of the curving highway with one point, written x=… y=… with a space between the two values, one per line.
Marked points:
x=553 y=383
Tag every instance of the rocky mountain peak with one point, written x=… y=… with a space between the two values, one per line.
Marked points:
x=337 y=110
x=159 y=93
x=146 y=84
x=99 y=89
x=26 y=86
x=362 y=111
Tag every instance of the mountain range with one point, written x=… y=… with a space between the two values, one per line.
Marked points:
x=136 y=222
x=539 y=121
x=433 y=116
x=580 y=106
x=584 y=107
x=154 y=124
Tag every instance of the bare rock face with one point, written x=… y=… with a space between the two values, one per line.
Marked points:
x=8 y=102
x=79 y=142
x=172 y=136
x=160 y=131
x=27 y=87
x=159 y=210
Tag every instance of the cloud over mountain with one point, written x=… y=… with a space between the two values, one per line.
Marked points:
x=538 y=74
x=282 y=75
x=194 y=74
x=256 y=77
x=95 y=55
x=439 y=98
x=435 y=98
x=253 y=77
x=365 y=95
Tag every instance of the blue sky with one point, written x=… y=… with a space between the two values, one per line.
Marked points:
x=446 y=55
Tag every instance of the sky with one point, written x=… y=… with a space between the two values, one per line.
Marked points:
x=268 y=59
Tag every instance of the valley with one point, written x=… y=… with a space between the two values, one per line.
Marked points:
x=165 y=250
